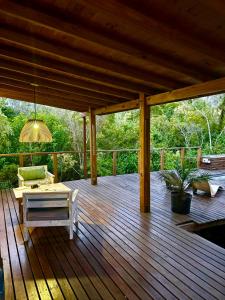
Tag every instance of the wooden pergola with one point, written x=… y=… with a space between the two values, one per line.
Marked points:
x=109 y=56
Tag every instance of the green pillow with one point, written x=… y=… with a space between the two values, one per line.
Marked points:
x=33 y=173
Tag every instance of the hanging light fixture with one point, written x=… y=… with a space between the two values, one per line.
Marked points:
x=34 y=130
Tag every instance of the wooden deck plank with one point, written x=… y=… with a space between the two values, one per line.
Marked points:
x=160 y=252
x=148 y=250
x=117 y=252
x=9 y=287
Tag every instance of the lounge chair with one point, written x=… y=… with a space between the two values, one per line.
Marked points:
x=206 y=186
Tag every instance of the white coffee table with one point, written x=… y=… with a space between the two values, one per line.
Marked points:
x=54 y=187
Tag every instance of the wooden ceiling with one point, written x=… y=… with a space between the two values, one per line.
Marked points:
x=86 y=53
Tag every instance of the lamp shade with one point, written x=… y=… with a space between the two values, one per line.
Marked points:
x=35 y=131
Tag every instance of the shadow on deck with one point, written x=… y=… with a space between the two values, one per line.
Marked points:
x=117 y=252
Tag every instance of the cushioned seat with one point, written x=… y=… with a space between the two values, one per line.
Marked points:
x=29 y=176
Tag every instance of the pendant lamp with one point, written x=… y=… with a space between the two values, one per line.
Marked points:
x=34 y=130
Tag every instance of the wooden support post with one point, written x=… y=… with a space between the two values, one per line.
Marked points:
x=114 y=162
x=93 y=150
x=182 y=155
x=162 y=159
x=55 y=166
x=144 y=155
x=199 y=157
x=84 y=145
x=21 y=160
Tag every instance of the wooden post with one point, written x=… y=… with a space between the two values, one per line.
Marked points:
x=144 y=155
x=21 y=160
x=55 y=166
x=114 y=162
x=182 y=155
x=199 y=157
x=162 y=159
x=84 y=145
x=93 y=150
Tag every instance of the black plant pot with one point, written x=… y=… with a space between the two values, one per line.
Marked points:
x=181 y=202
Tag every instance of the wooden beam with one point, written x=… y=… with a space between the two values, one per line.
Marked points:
x=70 y=55
x=40 y=95
x=24 y=72
x=6 y=75
x=211 y=87
x=207 y=88
x=128 y=105
x=26 y=58
x=15 y=84
x=93 y=147
x=144 y=166
x=109 y=42
x=50 y=101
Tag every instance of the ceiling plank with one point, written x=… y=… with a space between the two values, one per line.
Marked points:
x=59 y=97
x=62 y=68
x=51 y=77
x=43 y=20
x=70 y=55
x=22 y=96
x=12 y=78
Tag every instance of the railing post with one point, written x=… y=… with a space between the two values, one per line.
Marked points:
x=93 y=147
x=162 y=159
x=182 y=155
x=21 y=160
x=55 y=166
x=114 y=162
x=84 y=145
x=199 y=156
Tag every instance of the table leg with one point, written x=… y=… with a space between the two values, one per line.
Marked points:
x=21 y=210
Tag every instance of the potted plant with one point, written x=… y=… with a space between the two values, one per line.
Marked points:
x=178 y=181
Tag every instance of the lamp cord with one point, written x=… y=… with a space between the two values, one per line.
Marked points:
x=35 y=106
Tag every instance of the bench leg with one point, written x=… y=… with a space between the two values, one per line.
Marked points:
x=25 y=233
x=71 y=231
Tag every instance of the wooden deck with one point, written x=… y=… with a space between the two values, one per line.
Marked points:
x=117 y=252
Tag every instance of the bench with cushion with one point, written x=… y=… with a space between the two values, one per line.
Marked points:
x=29 y=176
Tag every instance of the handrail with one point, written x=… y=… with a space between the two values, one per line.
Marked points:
x=114 y=156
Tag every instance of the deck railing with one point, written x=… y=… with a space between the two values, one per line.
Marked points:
x=162 y=157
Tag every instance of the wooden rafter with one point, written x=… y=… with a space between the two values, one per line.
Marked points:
x=46 y=21
x=56 y=92
x=78 y=57
x=37 y=61
x=26 y=74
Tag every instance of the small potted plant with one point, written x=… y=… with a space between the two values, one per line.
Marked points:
x=178 y=181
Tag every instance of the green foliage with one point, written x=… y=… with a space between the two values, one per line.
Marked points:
x=8 y=176
x=199 y=122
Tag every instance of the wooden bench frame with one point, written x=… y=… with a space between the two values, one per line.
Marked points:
x=56 y=201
